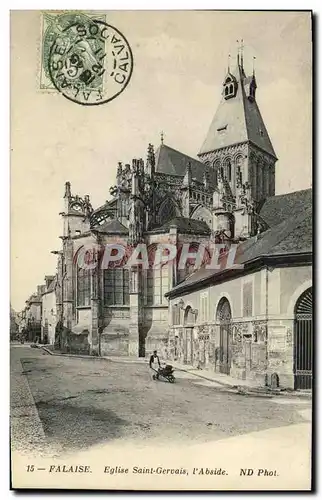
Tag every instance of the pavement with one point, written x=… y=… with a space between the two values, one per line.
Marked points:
x=234 y=384
x=226 y=381
x=80 y=408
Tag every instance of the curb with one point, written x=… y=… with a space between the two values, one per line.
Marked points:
x=68 y=355
x=126 y=360
x=244 y=389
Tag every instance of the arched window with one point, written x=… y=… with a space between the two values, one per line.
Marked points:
x=83 y=287
x=259 y=179
x=227 y=169
x=239 y=170
x=216 y=167
x=168 y=210
x=230 y=87
x=116 y=287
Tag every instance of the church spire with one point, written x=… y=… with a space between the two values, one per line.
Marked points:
x=254 y=59
x=240 y=53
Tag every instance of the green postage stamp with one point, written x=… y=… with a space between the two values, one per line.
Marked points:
x=85 y=59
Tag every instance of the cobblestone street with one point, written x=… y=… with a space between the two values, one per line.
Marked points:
x=82 y=402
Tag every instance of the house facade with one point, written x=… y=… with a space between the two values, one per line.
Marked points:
x=49 y=313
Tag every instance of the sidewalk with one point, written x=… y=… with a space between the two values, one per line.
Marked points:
x=239 y=385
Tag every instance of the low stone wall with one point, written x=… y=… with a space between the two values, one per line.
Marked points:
x=76 y=343
x=114 y=344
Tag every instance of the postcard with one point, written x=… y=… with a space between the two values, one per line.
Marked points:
x=161 y=333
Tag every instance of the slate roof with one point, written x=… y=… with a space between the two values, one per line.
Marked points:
x=278 y=208
x=184 y=225
x=172 y=162
x=291 y=236
x=112 y=227
x=240 y=121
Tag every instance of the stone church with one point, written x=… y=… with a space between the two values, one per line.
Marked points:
x=220 y=319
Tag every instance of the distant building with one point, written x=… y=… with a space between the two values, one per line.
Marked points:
x=14 y=324
x=49 y=316
x=33 y=315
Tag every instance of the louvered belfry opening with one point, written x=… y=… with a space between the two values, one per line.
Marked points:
x=303 y=341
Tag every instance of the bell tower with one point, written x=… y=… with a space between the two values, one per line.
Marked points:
x=237 y=146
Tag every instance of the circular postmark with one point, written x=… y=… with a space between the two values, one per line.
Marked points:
x=90 y=62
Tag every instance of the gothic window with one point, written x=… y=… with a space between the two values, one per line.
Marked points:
x=116 y=287
x=259 y=180
x=230 y=87
x=253 y=175
x=216 y=166
x=83 y=287
x=168 y=210
x=227 y=169
x=100 y=216
x=239 y=169
x=157 y=285
x=271 y=180
x=247 y=299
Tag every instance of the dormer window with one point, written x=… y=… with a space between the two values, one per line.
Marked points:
x=230 y=87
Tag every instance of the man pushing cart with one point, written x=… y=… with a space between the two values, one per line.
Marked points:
x=155 y=365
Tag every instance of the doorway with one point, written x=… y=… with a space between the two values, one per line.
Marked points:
x=303 y=341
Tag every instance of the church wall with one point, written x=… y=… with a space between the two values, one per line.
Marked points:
x=115 y=323
x=291 y=278
x=76 y=223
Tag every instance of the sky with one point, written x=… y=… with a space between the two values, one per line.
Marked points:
x=180 y=60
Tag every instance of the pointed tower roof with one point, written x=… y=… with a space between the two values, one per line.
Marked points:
x=238 y=118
